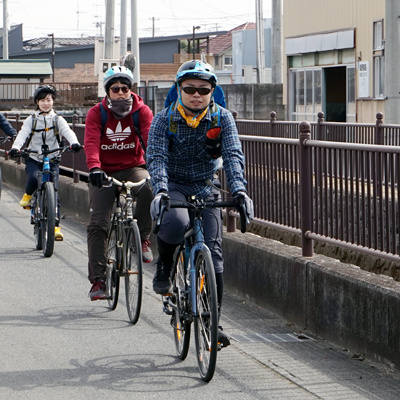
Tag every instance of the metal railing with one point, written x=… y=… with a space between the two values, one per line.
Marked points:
x=340 y=192
x=68 y=94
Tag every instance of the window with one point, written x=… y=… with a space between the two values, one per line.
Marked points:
x=228 y=61
x=379 y=59
x=378 y=35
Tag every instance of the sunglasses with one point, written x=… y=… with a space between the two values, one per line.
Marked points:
x=192 y=90
x=116 y=89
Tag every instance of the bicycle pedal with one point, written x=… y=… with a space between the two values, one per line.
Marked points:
x=27 y=207
x=59 y=239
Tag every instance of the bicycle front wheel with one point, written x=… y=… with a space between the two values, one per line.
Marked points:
x=48 y=218
x=133 y=272
x=113 y=260
x=180 y=324
x=37 y=228
x=206 y=323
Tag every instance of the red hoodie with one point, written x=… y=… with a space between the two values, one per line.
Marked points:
x=118 y=148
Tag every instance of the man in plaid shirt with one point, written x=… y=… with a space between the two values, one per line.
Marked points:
x=182 y=156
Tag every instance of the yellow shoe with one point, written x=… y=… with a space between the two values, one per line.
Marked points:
x=57 y=234
x=25 y=200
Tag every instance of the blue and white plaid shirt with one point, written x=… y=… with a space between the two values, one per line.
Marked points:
x=187 y=161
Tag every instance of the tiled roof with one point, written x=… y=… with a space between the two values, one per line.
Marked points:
x=46 y=42
x=220 y=44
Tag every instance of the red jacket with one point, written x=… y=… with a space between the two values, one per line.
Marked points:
x=118 y=148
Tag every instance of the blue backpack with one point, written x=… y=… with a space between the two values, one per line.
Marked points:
x=213 y=144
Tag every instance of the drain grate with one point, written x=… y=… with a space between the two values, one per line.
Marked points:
x=271 y=338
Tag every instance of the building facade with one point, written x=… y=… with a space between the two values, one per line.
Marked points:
x=341 y=57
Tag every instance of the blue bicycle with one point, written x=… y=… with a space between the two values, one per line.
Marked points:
x=44 y=201
x=194 y=294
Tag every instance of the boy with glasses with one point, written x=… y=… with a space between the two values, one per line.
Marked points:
x=116 y=149
x=181 y=163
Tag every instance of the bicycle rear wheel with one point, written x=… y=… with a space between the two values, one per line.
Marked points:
x=206 y=323
x=180 y=324
x=113 y=260
x=133 y=272
x=48 y=218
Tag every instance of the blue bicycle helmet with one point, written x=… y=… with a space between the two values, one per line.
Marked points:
x=196 y=70
x=117 y=72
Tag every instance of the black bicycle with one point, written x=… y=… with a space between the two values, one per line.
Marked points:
x=194 y=297
x=43 y=204
x=124 y=250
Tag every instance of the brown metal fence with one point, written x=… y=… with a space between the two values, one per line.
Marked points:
x=342 y=191
x=68 y=94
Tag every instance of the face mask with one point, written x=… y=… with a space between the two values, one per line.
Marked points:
x=120 y=108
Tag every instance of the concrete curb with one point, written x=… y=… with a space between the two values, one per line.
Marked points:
x=339 y=302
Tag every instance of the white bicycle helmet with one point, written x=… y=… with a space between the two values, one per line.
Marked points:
x=117 y=72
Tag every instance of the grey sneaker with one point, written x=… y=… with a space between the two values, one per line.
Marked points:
x=147 y=254
x=162 y=279
x=98 y=291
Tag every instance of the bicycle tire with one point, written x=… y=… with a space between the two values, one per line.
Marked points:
x=180 y=324
x=112 y=262
x=206 y=323
x=37 y=230
x=48 y=218
x=133 y=271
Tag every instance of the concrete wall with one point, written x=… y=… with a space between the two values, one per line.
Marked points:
x=339 y=302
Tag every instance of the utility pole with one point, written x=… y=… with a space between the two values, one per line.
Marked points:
x=154 y=26
x=260 y=41
x=52 y=53
x=5 y=30
x=109 y=30
x=123 y=39
x=135 y=41
x=276 y=46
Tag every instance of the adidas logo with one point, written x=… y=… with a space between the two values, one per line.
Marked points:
x=119 y=135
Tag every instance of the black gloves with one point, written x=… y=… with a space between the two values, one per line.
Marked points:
x=96 y=177
x=248 y=204
x=14 y=152
x=75 y=147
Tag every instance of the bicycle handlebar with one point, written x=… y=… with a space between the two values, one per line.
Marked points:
x=4 y=139
x=45 y=152
x=127 y=184
x=238 y=204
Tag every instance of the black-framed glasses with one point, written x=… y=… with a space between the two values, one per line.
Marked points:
x=192 y=90
x=116 y=89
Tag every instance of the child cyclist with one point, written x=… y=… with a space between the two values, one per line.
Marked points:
x=43 y=127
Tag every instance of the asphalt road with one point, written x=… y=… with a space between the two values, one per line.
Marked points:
x=56 y=344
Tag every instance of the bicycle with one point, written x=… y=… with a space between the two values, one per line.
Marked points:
x=3 y=139
x=124 y=251
x=44 y=201
x=194 y=293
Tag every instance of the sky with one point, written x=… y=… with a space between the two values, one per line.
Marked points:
x=81 y=18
